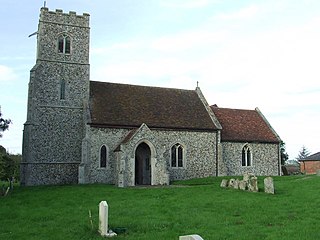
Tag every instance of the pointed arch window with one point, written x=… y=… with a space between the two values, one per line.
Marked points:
x=177 y=156
x=246 y=156
x=64 y=44
x=103 y=156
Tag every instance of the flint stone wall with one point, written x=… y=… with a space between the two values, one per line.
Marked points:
x=199 y=158
x=265 y=159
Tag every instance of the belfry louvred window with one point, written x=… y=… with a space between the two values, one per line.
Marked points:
x=64 y=44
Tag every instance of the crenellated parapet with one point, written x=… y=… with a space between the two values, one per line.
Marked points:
x=60 y=17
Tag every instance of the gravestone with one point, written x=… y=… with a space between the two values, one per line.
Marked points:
x=236 y=184
x=242 y=185
x=191 y=237
x=246 y=177
x=231 y=182
x=103 y=218
x=268 y=185
x=224 y=183
x=318 y=172
x=253 y=184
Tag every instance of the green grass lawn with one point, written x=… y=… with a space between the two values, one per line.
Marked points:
x=194 y=207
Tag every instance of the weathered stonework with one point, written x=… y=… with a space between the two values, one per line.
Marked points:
x=199 y=156
x=54 y=128
x=265 y=159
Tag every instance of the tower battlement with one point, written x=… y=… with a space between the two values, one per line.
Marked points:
x=58 y=16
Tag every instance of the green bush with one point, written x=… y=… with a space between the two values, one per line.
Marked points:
x=9 y=165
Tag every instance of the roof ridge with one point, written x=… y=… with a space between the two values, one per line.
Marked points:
x=238 y=109
x=143 y=86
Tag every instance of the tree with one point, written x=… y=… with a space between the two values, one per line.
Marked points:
x=303 y=153
x=4 y=123
x=284 y=155
x=9 y=165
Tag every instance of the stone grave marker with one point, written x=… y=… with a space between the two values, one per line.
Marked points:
x=224 y=183
x=268 y=185
x=191 y=237
x=246 y=177
x=242 y=185
x=103 y=218
x=318 y=172
x=253 y=184
x=231 y=182
x=236 y=184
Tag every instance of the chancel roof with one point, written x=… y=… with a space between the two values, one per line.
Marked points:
x=123 y=105
x=244 y=126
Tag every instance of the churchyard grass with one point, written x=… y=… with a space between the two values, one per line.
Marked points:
x=197 y=206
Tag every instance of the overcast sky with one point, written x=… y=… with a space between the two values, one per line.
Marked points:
x=244 y=54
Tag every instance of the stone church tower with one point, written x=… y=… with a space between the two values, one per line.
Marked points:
x=58 y=95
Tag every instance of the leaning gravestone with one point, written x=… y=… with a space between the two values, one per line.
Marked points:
x=191 y=237
x=224 y=183
x=268 y=185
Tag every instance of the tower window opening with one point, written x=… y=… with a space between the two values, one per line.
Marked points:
x=62 y=89
x=64 y=44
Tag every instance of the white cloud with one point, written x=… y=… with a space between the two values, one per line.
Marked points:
x=114 y=47
x=244 y=13
x=188 y=40
x=6 y=74
x=185 y=3
x=135 y=71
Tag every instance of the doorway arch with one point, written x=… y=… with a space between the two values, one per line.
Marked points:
x=143 y=164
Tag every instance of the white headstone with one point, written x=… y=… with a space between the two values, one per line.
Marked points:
x=191 y=237
x=103 y=218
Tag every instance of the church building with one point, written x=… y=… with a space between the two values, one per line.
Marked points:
x=82 y=131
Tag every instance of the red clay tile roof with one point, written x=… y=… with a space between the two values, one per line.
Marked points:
x=244 y=126
x=123 y=105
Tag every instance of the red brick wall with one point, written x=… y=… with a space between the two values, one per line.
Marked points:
x=309 y=167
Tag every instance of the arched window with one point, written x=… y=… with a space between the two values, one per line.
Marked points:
x=103 y=156
x=246 y=156
x=62 y=89
x=177 y=156
x=64 y=44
